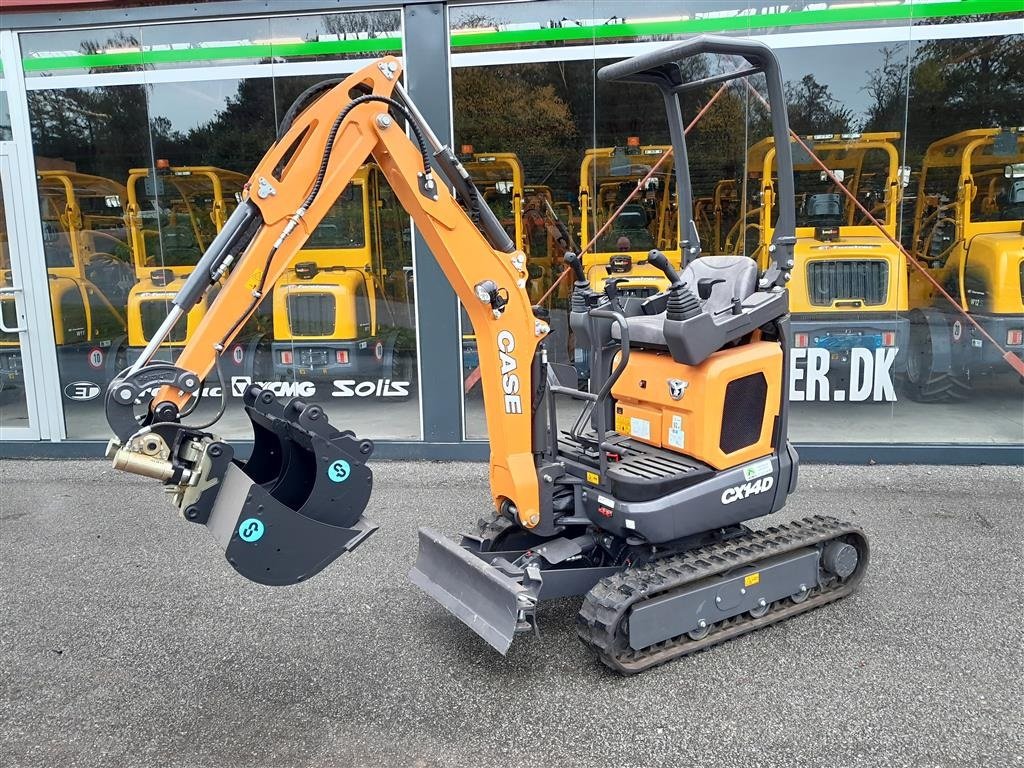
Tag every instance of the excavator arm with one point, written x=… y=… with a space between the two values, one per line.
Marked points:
x=333 y=132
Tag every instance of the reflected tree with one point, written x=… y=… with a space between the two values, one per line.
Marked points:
x=956 y=85
x=887 y=87
x=813 y=108
x=513 y=109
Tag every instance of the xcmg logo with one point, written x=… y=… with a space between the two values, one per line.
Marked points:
x=280 y=388
x=737 y=492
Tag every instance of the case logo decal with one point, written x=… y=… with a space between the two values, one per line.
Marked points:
x=509 y=379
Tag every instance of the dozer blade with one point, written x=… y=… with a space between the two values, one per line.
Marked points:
x=297 y=504
x=486 y=600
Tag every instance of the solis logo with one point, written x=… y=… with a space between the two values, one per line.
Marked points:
x=509 y=379
x=372 y=388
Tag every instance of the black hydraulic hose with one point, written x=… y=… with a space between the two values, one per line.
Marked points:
x=301 y=100
x=321 y=173
x=329 y=146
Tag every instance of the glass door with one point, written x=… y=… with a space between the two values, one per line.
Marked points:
x=18 y=406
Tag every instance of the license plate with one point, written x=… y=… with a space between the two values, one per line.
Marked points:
x=849 y=341
x=313 y=358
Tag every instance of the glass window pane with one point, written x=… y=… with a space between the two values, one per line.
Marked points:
x=136 y=181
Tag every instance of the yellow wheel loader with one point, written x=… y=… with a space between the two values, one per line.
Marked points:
x=641 y=507
x=848 y=293
x=334 y=319
x=90 y=275
x=969 y=237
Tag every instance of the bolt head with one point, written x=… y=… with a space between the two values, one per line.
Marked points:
x=702 y=624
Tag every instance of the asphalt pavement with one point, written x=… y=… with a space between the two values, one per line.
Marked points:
x=127 y=640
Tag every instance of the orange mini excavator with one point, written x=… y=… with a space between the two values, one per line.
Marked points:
x=639 y=506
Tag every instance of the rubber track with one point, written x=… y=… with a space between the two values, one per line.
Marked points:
x=602 y=624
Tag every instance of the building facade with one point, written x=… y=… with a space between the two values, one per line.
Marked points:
x=127 y=132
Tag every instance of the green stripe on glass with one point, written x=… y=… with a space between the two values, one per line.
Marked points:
x=907 y=12
x=213 y=53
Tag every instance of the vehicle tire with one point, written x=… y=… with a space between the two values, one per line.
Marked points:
x=921 y=382
x=403 y=368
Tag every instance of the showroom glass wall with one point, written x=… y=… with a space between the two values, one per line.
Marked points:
x=141 y=136
x=880 y=89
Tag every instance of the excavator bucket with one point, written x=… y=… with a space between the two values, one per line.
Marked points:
x=297 y=503
x=487 y=600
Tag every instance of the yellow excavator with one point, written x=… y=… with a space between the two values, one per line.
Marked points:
x=650 y=220
x=640 y=507
x=523 y=211
x=719 y=218
x=527 y=215
x=335 y=318
x=969 y=238
x=90 y=275
x=848 y=293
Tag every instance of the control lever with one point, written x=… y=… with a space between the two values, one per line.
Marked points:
x=576 y=265
x=611 y=290
x=682 y=304
x=660 y=261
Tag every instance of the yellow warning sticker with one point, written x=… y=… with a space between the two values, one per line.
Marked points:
x=621 y=424
x=751 y=579
x=594 y=478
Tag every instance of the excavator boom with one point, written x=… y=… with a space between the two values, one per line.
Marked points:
x=333 y=132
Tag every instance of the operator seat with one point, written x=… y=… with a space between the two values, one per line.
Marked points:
x=715 y=280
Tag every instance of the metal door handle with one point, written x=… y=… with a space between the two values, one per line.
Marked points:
x=3 y=327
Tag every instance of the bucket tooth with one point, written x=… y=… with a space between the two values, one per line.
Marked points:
x=486 y=600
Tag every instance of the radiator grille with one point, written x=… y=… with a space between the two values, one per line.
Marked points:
x=865 y=280
x=311 y=314
x=153 y=312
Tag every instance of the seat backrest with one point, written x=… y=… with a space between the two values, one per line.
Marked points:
x=718 y=279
